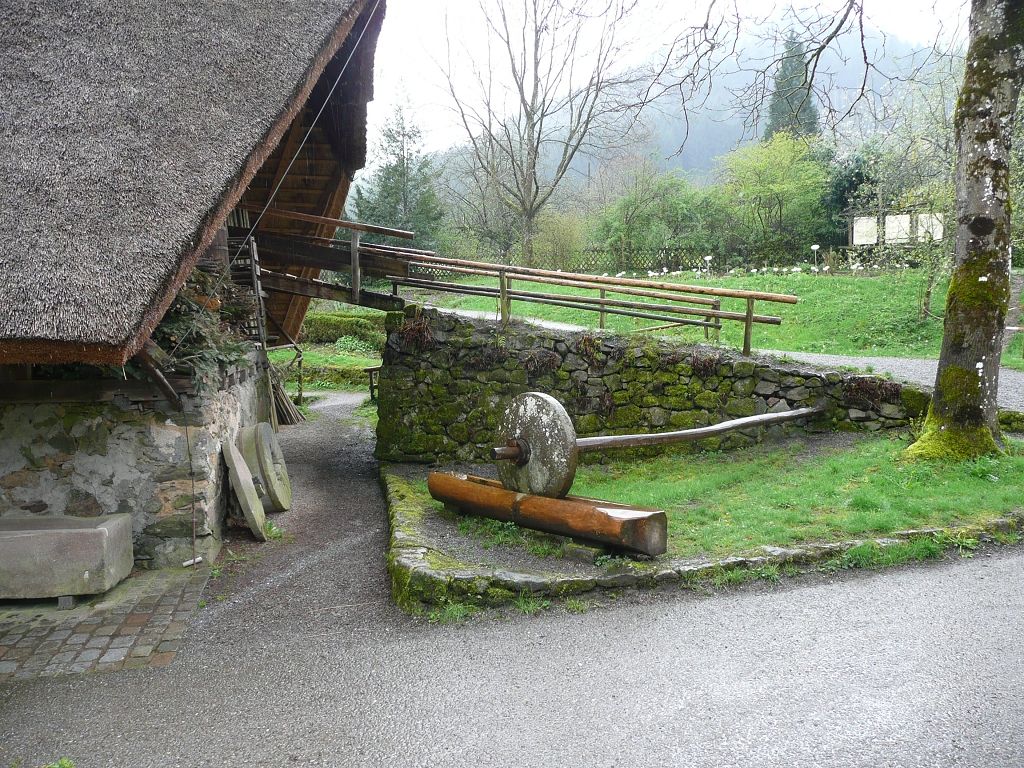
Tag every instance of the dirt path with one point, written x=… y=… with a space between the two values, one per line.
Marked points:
x=327 y=573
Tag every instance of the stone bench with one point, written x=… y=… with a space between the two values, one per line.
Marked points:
x=58 y=556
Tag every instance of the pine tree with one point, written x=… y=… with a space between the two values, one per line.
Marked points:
x=791 y=107
x=399 y=192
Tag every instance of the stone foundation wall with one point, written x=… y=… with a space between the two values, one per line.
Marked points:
x=446 y=380
x=88 y=459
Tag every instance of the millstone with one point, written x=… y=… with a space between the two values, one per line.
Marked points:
x=245 y=491
x=541 y=423
x=263 y=455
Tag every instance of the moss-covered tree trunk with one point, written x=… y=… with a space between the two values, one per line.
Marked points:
x=962 y=420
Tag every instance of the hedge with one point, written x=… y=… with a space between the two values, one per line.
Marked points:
x=328 y=327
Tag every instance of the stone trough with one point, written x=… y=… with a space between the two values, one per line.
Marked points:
x=57 y=556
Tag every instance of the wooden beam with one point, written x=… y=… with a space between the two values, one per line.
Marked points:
x=372 y=229
x=296 y=252
x=318 y=289
x=633 y=528
x=89 y=390
x=152 y=370
x=355 y=269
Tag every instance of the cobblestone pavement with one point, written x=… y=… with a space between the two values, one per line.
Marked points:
x=139 y=623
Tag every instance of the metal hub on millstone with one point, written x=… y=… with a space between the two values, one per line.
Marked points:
x=262 y=453
x=540 y=426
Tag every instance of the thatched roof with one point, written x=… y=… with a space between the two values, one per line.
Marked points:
x=129 y=131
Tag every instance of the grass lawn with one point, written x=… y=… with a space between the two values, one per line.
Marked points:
x=1014 y=355
x=326 y=367
x=720 y=504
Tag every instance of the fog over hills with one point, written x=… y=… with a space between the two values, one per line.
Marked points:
x=693 y=142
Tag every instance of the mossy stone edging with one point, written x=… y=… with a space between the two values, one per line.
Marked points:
x=423 y=576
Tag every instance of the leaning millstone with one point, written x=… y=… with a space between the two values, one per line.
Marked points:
x=263 y=456
x=245 y=491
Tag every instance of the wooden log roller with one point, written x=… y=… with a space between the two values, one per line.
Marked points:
x=539 y=458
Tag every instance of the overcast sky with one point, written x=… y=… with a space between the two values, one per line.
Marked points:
x=411 y=50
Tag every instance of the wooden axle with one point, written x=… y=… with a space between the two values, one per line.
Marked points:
x=517 y=451
x=541 y=449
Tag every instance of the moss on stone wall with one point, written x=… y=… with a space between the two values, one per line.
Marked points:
x=444 y=403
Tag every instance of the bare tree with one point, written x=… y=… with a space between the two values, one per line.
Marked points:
x=546 y=92
x=474 y=203
x=724 y=44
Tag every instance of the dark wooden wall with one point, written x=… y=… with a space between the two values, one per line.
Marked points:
x=319 y=179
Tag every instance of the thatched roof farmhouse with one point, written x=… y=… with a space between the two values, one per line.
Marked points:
x=130 y=132
x=134 y=135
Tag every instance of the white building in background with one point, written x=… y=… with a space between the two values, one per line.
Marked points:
x=899 y=229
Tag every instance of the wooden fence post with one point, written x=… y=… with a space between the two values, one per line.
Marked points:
x=356 y=276
x=600 y=321
x=748 y=326
x=503 y=303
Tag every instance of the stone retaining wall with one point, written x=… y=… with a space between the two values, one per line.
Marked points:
x=88 y=459
x=446 y=379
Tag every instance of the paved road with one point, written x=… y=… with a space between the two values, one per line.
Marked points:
x=305 y=663
x=916 y=370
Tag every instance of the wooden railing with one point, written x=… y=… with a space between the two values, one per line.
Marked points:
x=670 y=304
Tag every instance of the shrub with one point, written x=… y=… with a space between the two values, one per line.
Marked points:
x=328 y=327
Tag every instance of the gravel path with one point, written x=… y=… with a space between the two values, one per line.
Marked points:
x=301 y=660
x=915 y=370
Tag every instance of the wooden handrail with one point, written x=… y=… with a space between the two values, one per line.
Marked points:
x=589 y=300
x=781 y=298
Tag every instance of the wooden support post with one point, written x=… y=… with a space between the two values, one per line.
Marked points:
x=748 y=326
x=717 y=307
x=600 y=317
x=503 y=303
x=356 y=276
